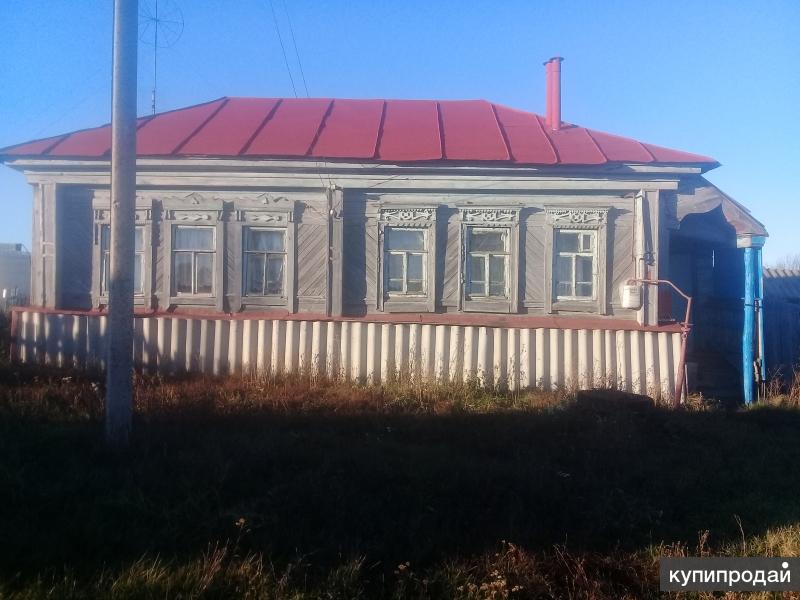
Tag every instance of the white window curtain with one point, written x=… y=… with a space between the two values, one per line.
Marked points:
x=193 y=260
x=264 y=261
x=105 y=260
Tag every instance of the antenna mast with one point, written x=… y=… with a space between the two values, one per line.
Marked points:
x=155 y=58
x=166 y=21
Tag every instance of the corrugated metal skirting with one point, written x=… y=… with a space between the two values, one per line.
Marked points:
x=636 y=361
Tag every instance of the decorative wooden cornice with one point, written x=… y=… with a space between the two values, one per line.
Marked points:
x=490 y=216
x=280 y=218
x=576 y=217
x=193 y=216
x=408 y=216
x=141 y=214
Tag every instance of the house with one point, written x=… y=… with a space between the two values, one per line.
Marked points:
x=782 y=321
x=15 y=274
x=439 y=239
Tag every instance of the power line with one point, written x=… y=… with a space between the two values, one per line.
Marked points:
x=294 y=43
x=283 y=49
x=302 y=74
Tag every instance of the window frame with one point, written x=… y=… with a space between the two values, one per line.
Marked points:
x=420 y=218
x=194 y=252
x=490 y=218
x=592 y=252
x=279 y=217
x=101 y=212
x=487 y=257
x=577 y=218
x=193 y=212
x=105 y=259
x=387 y=252
x=266 y=254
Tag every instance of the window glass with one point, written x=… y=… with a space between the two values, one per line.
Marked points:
x=563 y=275
x=404 y=260
x=477 y=276
x=183 y=273
x=414 y=274
x=395 y=272
x=487 y=268
x=254 y=273
x=573 y=274
x=274 y=284
x=497 y=275
x=488 y=240
x=405 y=239
x=137 y=274
x=105 y=259
x=265 y=240
x=584 y=276
x=194 y=238
x=567 y=241
x=264 y=261
x=205 y=273
x=138 y=239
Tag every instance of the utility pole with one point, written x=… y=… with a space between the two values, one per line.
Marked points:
x=119 y=374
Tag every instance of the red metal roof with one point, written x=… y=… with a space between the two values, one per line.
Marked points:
x=393 y=131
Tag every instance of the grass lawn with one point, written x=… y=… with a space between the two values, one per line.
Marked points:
x=285 y=488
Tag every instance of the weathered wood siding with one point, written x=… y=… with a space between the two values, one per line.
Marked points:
x=74 y=229
x=362 y=263
x=314 y=253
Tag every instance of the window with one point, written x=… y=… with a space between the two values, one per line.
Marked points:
x=575 y=259
x=405 y=255
x=487 y=262
x=264 y=261
x=193 y=251
x=105 y=260
x=407 y=258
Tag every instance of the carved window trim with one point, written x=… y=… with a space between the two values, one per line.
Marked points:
x=407 y=217
x=194 y=210
x=577 y=218
x=486 y=218
x=266 y=218
x=101 y=217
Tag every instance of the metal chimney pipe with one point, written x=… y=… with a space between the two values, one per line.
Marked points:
x=548 y=84
x=554 y=93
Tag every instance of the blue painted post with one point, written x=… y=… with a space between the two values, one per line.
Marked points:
x=749 y=322
x=760 y=322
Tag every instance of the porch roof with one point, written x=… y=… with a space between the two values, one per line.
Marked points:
x=697 y=195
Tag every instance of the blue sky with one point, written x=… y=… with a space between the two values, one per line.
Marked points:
x=716 y=78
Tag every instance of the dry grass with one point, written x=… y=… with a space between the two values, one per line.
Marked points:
x=784 y=392
x=288 y=487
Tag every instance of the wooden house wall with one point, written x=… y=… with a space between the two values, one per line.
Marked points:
x=70 y=209
x=361 y=247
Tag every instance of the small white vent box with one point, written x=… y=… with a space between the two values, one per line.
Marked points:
x=631 y=294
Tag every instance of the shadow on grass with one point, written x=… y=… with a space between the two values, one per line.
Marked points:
x=330 y=485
